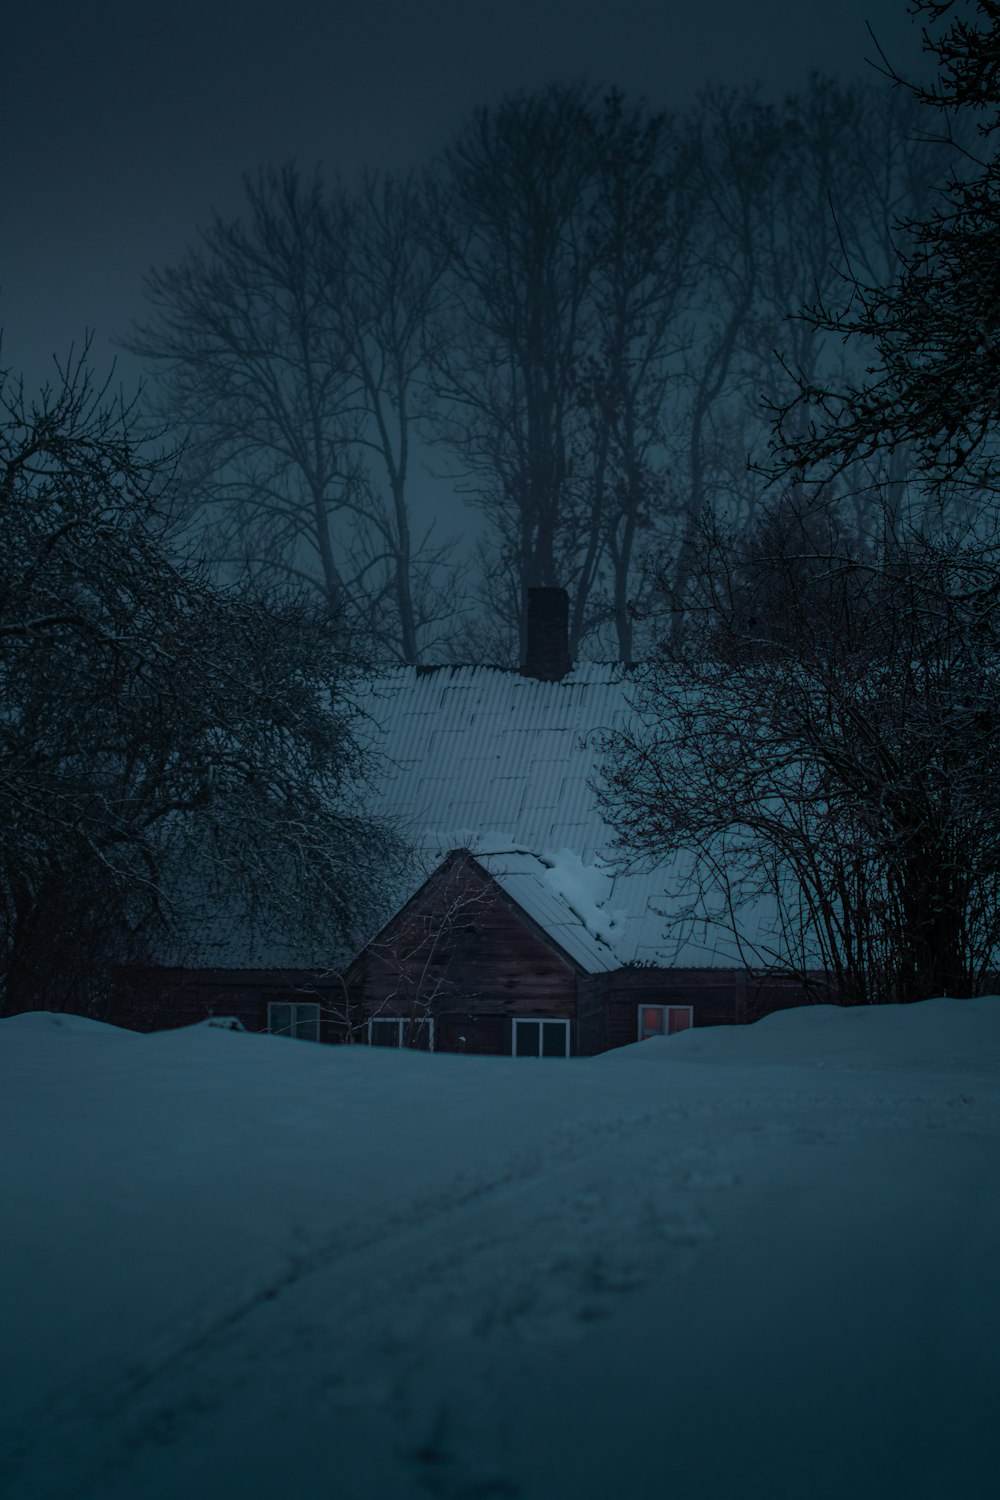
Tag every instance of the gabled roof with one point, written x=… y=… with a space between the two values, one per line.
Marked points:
x=485 y=759
x=522 y=879
x=485 y=752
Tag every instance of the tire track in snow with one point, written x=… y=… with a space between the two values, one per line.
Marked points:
x=165 y=1398
x=405 y=1228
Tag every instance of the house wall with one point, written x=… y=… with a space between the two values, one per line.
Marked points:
x=591 y=1014
x=158 y=999
x=463 y=953
x=765 y=996
x=609 y=1003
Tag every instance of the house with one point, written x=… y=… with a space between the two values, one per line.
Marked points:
x=519 y=932
x=490 y=957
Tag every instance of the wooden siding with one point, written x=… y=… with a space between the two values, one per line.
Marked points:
x=716 y=998
x=591 y=1014
x=159 y=999
x=486 y=1036
x=464 y=953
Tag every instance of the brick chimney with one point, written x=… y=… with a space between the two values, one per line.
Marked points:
x=546 y=655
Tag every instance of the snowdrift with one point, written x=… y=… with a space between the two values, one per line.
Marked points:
x=738 y=1262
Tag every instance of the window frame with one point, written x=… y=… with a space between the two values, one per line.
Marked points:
x=661 y=1006
x=402 y=1021
x=295 y=1006
x=538 y=1021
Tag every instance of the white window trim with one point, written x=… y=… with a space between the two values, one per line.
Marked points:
x=294 y=1006
x=657 y=1005
x=402 y=1021
x=536 y=1021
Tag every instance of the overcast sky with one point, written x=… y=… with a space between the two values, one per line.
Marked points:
x=124 y=125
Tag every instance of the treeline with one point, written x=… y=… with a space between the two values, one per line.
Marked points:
x=581 y=311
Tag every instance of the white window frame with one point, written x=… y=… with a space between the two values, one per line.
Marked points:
x=295 y=1006
x=661 y=1006
x=538 y=1021
x=402 y=1021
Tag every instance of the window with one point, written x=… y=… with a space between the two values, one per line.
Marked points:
x=298 y=1020
x=664 y=1020
x=540 y=1038
x=402 y=1031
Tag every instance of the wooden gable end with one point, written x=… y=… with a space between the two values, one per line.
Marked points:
x=461 y=948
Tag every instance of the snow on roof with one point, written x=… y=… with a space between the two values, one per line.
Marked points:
x=579 y=924
x=484 y=759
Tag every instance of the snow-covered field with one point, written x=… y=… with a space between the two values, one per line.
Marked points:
x=741 y=1262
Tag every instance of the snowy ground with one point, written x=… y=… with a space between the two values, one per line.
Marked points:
x=741 y=1262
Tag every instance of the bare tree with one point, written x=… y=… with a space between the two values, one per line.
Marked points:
x=255 y=371
x=288 y=345
x=383 y=315
x=616 y=330
x=589 y=306
x=816 y=736
x=169 y=749
x=511 y=223
x=796 y=196
x=641 y=221
x=814 y=748
x=868 y=167
x=929 y=383
x=566 y=218
x=740 y=142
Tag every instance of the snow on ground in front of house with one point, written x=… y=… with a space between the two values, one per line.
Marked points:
x=735 y=1263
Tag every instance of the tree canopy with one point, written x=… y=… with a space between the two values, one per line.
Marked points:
x=933 y=327
x=168 y=747
x=818 y=740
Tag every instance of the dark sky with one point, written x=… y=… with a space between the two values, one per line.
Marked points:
x=123 y=125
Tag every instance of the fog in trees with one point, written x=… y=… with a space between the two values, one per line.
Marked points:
x=290 y=344
x=575 y=319
x=816 y=726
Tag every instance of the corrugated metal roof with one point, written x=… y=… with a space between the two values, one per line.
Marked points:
x=526 y=879
x=485 y=759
